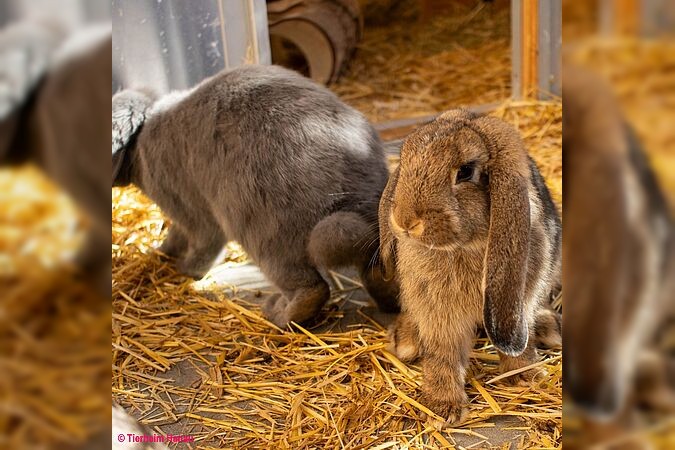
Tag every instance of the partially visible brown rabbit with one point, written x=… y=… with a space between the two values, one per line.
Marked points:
x=469 y=226
x=268 y=158
x=619 y=269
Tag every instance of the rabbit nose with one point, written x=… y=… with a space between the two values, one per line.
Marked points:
x=411 y=225
x=415 y=227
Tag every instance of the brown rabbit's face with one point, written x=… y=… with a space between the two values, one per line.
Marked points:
x=441 y=198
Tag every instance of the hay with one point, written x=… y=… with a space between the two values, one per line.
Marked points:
x=54 y=359
x=207 y=364
x=36 y=220
x=404 y=67
x=53 y=329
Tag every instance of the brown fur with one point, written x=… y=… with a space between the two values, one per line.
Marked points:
x=482 y=251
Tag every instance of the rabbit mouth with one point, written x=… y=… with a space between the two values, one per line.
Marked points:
x=444 y=247
x=420 y=236
x=426 y=243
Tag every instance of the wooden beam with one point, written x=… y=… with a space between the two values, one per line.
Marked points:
x=529 y=23
x=524 y=47
x=626 y=17
x=620 y=17
x=536 y=39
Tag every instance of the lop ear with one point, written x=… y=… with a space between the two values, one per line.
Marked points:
x=129 y=109
x=508 y=237
x=9 y=129
x=387 y=239
x=26 y=52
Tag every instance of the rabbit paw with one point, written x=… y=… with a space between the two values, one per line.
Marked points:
x=403 y=339
x=454 y=412
x=193 y=267
x=404 y=348
x=654 y=385
x=175 y=244
x=276 y=310
x=304 y=304
x=525 y=378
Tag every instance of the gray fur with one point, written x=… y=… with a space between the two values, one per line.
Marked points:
x=57 y=121
x=262 y=156
x=26 y=50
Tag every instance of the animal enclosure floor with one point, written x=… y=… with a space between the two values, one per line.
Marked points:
x=407 y=66
x=355 y=310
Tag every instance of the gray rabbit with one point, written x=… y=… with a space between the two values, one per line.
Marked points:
x=266 y=157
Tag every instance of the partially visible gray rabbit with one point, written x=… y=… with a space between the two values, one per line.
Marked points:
x=124 y=425
x=54 y=88
x=270 y=159
x=469 y=227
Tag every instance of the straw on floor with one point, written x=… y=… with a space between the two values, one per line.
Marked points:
x=405 y=67
x=54 y=357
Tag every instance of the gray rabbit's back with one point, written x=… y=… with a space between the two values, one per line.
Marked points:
x=272 y=155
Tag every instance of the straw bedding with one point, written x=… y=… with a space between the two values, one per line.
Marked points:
x=54 y=338
x=406 y=67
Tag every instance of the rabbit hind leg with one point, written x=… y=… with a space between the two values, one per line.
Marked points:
x=204 y=248
x=522 y=377
x=195 y=237
x=548 y=329
x=346 y=239
x=304 y=292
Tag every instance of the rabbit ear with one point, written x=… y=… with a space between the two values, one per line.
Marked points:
x=387 y=240
x=129 y=110
x=26 y=50
x=9 y=128
x=508 y=236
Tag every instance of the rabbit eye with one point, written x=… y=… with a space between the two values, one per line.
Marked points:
x=465 y=173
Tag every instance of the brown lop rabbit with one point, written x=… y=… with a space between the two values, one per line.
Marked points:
x=470 y=229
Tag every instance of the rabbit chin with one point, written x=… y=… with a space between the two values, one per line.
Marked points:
x=447 y=246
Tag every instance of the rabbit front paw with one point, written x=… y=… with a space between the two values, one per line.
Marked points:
x=175 y=244
x=194 y=267
x=453 y=412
